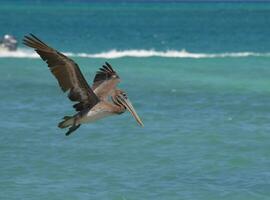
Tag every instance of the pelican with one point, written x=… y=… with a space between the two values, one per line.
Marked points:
x=91 y=103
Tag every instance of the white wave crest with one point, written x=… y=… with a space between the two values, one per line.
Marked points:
x=27 y=53
x=20 y=53
x=169 y=54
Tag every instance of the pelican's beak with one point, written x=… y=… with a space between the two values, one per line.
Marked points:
x=131 y=109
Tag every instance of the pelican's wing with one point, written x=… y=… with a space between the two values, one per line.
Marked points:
x=67 y=72
x=105 y=81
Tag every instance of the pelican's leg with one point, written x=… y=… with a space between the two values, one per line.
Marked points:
x=74 y=127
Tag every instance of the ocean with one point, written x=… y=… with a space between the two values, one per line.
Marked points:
x=198 y=75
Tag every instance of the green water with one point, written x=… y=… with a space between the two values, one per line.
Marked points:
x=206 y=133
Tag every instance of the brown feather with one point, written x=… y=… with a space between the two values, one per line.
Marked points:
x=105 y=81
x=104 y=74
x=67 y=73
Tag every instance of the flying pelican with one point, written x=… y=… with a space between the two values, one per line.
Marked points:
x=92 y=103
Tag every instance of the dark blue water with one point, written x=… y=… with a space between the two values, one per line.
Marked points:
x=220 y=27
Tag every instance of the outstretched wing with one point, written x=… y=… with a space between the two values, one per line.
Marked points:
x=67 y=73
x=105 y=81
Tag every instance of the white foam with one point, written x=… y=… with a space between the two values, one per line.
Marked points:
x=169 y=54
x=20 y=53
x=28 y=53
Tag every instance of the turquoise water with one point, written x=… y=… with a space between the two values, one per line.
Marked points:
x=206 y=110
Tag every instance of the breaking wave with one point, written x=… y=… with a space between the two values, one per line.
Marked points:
x=27 y=53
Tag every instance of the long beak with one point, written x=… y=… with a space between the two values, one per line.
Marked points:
x=131 y=109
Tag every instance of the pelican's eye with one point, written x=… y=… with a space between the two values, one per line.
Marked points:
x=124 y=95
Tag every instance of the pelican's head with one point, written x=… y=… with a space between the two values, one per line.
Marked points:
x=120 y=98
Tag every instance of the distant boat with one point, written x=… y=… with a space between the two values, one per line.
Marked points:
x=8 y=43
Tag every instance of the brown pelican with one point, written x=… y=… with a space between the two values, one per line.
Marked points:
x=92 y=103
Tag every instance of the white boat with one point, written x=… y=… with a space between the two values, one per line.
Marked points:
x=8 y=43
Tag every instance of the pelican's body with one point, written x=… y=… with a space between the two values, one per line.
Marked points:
x=101 y=110
x=92 y=103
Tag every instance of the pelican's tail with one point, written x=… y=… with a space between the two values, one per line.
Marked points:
x=67 y=121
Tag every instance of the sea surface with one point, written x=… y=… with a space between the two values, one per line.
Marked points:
x=198 y=74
